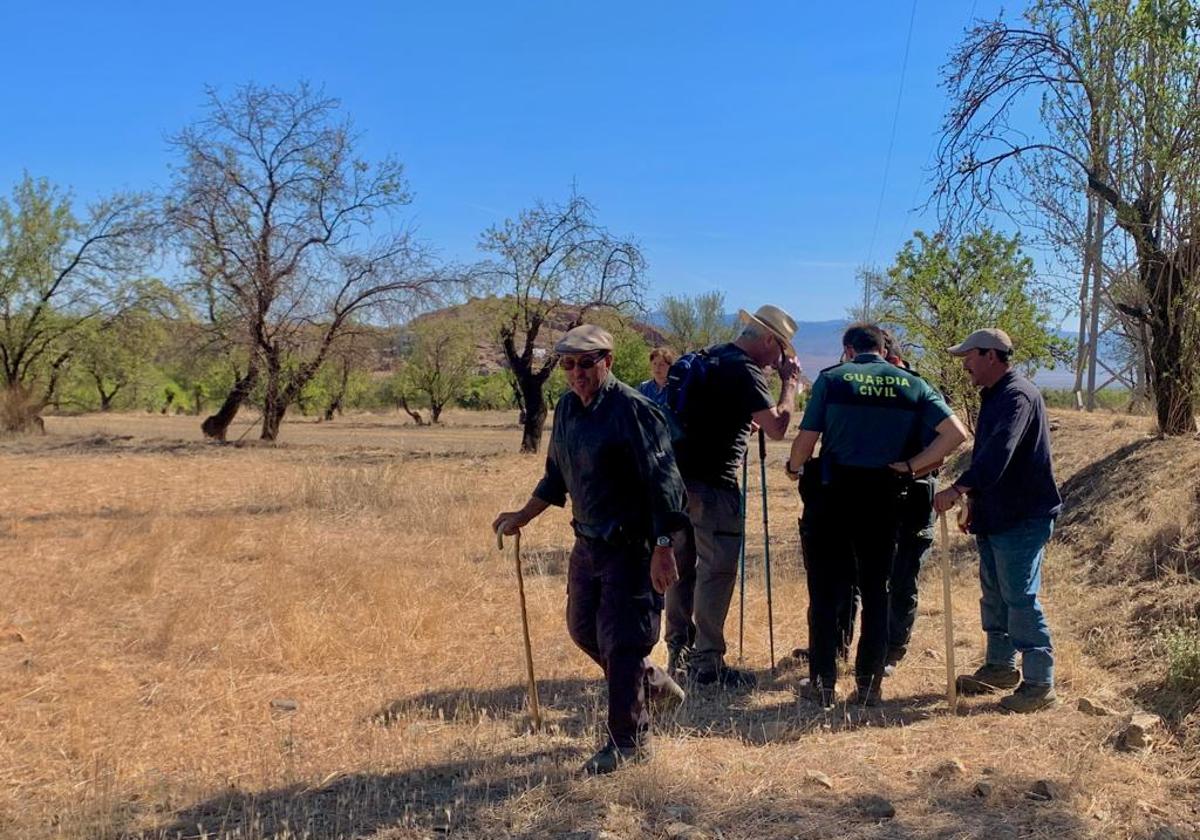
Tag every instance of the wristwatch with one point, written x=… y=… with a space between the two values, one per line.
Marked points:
x=787 y=467
x=663 y=542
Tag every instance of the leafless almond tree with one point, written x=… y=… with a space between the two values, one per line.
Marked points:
x=554 y=263
x=289 y=236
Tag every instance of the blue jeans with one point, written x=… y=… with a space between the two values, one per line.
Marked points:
x=1010 y=575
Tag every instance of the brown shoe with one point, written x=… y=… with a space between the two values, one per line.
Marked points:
x=988 y=679
x=1029 y=698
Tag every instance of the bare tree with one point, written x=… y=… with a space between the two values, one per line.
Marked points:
x=60 y=276
x=1137 y=59
x=281 y=225
x=555 y=263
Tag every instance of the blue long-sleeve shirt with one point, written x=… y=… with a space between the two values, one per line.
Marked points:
x=1010 y=477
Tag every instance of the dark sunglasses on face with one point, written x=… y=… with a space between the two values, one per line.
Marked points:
x=585 y=363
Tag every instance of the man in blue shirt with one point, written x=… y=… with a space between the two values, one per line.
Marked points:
x=867 y=415
x=1013 y=504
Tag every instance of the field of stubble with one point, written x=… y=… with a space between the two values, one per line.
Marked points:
x=321 y=640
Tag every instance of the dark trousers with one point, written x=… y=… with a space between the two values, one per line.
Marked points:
x=913 y=545
x=613 y=614
x=854 y=544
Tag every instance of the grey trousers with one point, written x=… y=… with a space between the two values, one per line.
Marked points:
x=707 y=556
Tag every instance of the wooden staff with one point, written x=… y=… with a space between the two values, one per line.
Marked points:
x=534 y=708
x=948 y=612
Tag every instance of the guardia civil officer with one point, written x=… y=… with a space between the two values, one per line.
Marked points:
x=866 y=413
x=611 y=453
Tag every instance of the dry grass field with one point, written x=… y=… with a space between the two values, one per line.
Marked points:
x=320 y=640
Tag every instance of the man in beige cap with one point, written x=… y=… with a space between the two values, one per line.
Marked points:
x=1014 y=502
x=734 y=395
x=610 y=451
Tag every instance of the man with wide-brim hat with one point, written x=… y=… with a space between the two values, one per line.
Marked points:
x=610 y=451
x=733 y=396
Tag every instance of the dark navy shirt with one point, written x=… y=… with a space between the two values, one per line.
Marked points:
x=1010 y=477
x=614 y=458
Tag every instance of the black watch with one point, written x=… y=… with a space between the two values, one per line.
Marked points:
x=663 y=542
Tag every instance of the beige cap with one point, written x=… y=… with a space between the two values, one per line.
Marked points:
x=989 y=339
x=774 y=320
x=586 y=338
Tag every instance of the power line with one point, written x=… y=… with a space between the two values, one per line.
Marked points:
x=887 y=166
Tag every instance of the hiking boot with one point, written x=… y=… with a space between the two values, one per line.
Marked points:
x=1029 y=697
x=989 y=679
x=866 y=695
x=677 y=659
x=664 y=694
x=726 y=677
x=825 y=698
x=610 y=757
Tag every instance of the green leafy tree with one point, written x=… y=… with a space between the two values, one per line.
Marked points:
x=697 y=321
x=59 y=276
x=120 y=354
x=937 y=293
x=440 y=360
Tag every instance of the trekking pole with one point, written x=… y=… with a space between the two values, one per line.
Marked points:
x=742 y=565
x=947 y=612
x=762 y=462
x=535 y=711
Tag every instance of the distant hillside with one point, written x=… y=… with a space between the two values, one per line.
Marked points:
x=484 y=315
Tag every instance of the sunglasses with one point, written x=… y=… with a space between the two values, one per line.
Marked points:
x=585 y=363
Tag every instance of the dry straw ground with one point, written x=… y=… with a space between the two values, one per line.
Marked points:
x=321 y=640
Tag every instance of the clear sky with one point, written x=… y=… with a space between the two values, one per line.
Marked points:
x=743 y=144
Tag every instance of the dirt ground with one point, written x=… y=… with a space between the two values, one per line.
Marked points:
x=320 y=639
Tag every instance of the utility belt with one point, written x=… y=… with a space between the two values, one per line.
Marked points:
x=614 y=534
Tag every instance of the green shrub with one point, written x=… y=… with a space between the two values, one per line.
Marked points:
x=1182 y=647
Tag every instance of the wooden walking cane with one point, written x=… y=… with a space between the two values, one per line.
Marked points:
x=742 y=567
x=762 y=462
x=535 y=711
x=947 y=612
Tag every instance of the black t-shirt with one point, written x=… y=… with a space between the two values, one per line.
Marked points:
x=719 y=417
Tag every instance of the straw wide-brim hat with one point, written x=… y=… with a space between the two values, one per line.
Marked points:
x=774 y=320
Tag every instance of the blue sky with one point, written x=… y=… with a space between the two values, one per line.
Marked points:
x=743 y=144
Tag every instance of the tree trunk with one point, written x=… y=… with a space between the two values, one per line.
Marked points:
x=272 y=418
x=274 y=404
x=535 y=412
x=217 y=425
x=1171 y=371
x=415 y=415
x=435 y=411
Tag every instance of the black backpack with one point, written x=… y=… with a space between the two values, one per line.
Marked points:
x=687 y=381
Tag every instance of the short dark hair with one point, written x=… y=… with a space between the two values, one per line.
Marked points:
x=863 y=337
x=1003 y=355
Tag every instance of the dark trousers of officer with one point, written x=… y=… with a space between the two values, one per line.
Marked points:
x=613 y=614
x=854 y=547
x=913 y=545
x=814 y=543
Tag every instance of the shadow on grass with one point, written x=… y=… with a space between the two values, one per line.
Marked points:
x=570 y=707
x=446 y=798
